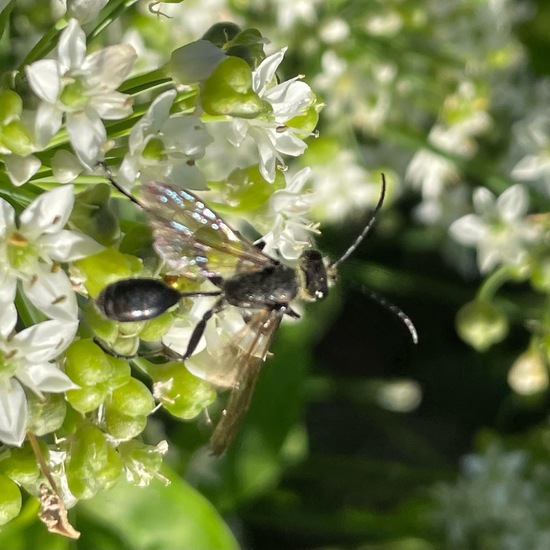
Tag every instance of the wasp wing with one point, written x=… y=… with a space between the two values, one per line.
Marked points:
x=248 y=351
x=192 y=239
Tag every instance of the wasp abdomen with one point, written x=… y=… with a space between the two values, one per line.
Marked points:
x=136 y=299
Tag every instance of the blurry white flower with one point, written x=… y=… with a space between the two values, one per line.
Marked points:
x=533 y=136
x=164 y=147
x=270 y=134
x=83 y=88
x=26 y=361
x=499 y=229
x=30 y=251
x=84 y=10
x=341 y=186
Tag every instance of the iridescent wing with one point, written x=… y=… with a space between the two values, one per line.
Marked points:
x=192 y=239
x=246 y=353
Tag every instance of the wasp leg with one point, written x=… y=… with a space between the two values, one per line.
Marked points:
x=201 y=325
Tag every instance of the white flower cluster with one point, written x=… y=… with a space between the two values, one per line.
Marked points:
x=76 y=95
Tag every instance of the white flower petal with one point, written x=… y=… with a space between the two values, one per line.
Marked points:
x=21 y=169
x=187 y=135
x=288 y=143
x=68 y=246
x=469 y=229
x=513 y=203
x=65 y=166
x=44 y=377
x=195 y=62
x=112 y=105
x=7 y=219
x=186 y=176
x=289 y=99
x=44 y=341
x=484 y=201
x=52 y=293
x=13 y=413
x=8 y=286
x=8 y=319
x=531 y=167
x=43 y=77
x=87 y=135
x=158 y=112
x=48 y=213
x=72 y=47
x=47 y=122
x=128 y=172
x=265 y=71
x=106 y=69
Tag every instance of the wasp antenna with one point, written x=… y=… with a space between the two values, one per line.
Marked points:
x=117 y=185
x=396 y=310
x=366 y=230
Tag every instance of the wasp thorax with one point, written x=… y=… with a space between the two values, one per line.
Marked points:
x=313 y=274
x=275 y=285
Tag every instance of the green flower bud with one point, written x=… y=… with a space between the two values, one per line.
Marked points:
x=11 y=106
x=246 y=190
x=306 y=122
x=221 y=33
x=481 y=324
x=122 y=426
x=529 y=373
x=16 y=137
x=132 y=399
x=101 y=326
x=45 y=415
x=179 y=392
x=20 y=465
x=141 y=462
x=107 y=267
x=88 y=398
x=93 y=463
x=127 y=346
x=86 y=363
x=121 y=372
x=155 y=328
x=540 y=276
x=10 y=499
x=228 y=91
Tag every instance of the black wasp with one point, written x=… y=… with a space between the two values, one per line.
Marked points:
x=195 y=242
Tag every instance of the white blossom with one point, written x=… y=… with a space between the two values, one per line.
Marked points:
x=289 y=209
x=270 y=134
x=499 y=230
x=164 y=147
x=82 y=87
x=26 y=360
x=32 y=249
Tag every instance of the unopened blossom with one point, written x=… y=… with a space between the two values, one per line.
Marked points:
x=271 y=135
x=32 y=249
x=27 y=360
x=499 y=229
x=83 y=88
x=164 y=147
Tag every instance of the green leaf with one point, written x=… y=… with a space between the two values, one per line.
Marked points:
x=160 y=517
